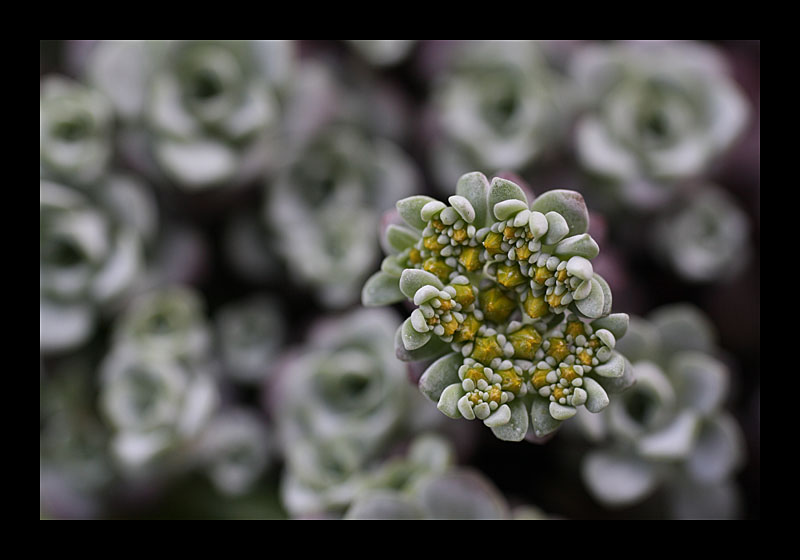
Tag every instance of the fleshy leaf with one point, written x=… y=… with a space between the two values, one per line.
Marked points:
x=618 y=479
x=400 y=238
x=683 y=327
x=700 y=380
x=607 y=297
x=562 y=412
x=517 y=426
x=581 y=245
x=413 y=279
x=412 y=340
x=433 y=349
x=592 y=305
x=618 y=384
x=393 y=266
x=461 y=494
x=541 y=419
x=569 y=204
x=475 y=188
x=448 y=400
x=557 y=228
x=463 y=207
x=381 y=289
x=507 y=208
x=617 y=323
x=503 y=189
x=499 y=417
x=674 y=441
x=440 y=374
x=614 y=367
x=718 y=452
x=597 y=397
x=409 y=209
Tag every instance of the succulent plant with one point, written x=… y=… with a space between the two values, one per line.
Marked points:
x=170 y=321
x=497 y=105
x=507 y=301
x=91 y=256
x=383 y=52
x=235 y=449
x=670 y=430
x=200 y=114
x=337 y=403
x=250 y=335
x=75 y=126
x=655 y=112
x=706 y=237
x=426 y=484
x=322 y=208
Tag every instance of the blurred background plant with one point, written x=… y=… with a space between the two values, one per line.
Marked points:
x=209 y=213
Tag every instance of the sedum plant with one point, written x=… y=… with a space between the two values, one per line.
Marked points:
x=75 y=126
x=506 y=302
x=706 y=237
x=91 y=256
x=322 y=208
x=498 y=105
x=338 y=403
x=670 y=431
x=157 y=387
x=654 y=113
x=200 y=114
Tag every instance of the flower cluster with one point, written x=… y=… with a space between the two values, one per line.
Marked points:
x=507 y=300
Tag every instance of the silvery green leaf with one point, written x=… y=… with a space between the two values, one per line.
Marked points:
x=701 y=381
x=581 y=245
x=439 y=375
x=617 y=323
x=614 y=367
x=618 y=479
x=425 y=293
x=463 y=207
x=557 y=228
x=683 y=327
x=475 y=188
x=719 y=450
x=503 y=189
x=400 y=238
x=607 y=297
x=569 y=204
x=517 y=426
x=413 y=279
x=63 y=326
x=641 y=341
x=674 y=441
x=597 y=397
x=393 y=265
x=562 y=412
x=409 y=209
x=448 y=400
x=507 y=208
x=499 y=417
x=461 y=494
x=412 y=339
x=381 y=289
x=619 y=384
x=542 y=421
x=431 y=209
x=580 y=267
x=538 y=224
x=592 y=305
x=196 y=164
x=433 y=349
x=384 y=504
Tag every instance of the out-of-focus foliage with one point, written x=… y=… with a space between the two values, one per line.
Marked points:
x=671 y=428
x=211 y=210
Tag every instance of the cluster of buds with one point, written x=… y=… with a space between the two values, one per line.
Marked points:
x=508 y=301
